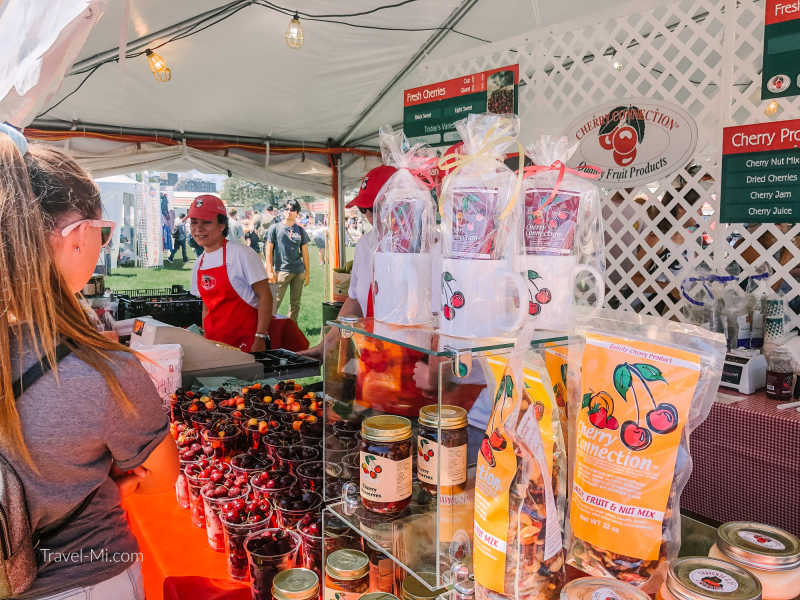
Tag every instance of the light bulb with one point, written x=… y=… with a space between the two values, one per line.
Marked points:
x=294 y=34
x=618 y=65
x=157 y=65
x=772 y=108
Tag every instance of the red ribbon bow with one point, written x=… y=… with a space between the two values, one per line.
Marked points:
x=587 y=172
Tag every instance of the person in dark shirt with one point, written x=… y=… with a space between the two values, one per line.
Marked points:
x=287 y=258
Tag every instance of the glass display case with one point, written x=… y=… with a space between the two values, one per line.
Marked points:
x=405 y=413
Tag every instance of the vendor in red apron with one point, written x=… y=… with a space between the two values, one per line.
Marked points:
x=231 y=280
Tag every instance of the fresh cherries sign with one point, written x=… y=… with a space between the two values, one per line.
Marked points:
x=634 y=141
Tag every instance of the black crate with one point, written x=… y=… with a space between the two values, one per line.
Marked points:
x=171 y=306
x=284 y=363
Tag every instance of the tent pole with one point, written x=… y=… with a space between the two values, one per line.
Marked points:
x=340 y=223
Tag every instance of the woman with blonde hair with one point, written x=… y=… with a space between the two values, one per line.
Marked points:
x=89 y=425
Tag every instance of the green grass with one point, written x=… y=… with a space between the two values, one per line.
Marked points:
x=310 y=320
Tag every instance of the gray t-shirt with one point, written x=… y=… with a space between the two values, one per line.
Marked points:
x=287 y=245
x=74 y=429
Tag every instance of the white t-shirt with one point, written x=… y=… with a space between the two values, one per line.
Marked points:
x=244 y=269
x=361 y=275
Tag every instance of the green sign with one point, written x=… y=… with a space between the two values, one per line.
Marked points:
x=430 y=111
x=761 y=173
x=780 y=76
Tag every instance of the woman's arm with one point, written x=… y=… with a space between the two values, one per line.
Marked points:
x=157 y=474
x=264 y=295
x=271 y=278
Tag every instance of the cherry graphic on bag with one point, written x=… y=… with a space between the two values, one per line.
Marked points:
x=601 y=410
x=496 y=440
x=662 y=420
x=542 y=296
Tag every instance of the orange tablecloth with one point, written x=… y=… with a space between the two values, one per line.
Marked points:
x=284 y=333
x=178 y=563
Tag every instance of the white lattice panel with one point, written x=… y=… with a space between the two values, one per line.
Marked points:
x=704 y=55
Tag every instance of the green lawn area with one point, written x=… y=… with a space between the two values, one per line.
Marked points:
x=310 y=320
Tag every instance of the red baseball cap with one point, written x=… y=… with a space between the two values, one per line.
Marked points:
x=371 y=185
x=206 y=208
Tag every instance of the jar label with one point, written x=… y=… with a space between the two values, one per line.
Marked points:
x=383 y=479
x=381 y=576
x=635 y=401
x=331 y=594
x=605 y=594
x=759 y=539
x=454 y=463
x=550 y=230
x=712 y=580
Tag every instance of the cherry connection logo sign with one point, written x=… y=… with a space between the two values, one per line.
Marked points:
x=781 y=63
x=761 y=173
x=634 y=141
x=430 y=111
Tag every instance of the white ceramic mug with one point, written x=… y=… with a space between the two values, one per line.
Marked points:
x=550 y=294
x=402 y=288
x=473 y=304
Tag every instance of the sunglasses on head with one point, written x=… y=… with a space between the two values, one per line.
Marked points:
x=106 y=228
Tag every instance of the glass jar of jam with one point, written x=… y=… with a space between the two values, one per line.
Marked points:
x=769 y=553
x=378 y=529
x=413 y=589
x=385 y=469
x=780 y=374
x=452 y=447
x=701 y=578
x=346 y=575
x=592 y=588
x=295 y=584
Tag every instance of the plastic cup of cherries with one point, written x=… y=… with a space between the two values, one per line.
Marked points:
x=224 y=438
x=240 y=518
x=234 y=486
x=199 y=474
x=272 y=483
x=291 y=457
x=293 y=505
x=269 y=552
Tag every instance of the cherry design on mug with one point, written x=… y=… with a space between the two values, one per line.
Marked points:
x=542 y=296
x=453 y=300
x=662 y=420
x=496 y=440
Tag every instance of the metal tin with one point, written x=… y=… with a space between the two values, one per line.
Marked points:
x=759 y=546
x=702 y=578
x=414 y=590
x=386 y=428
x=592 y=588
x=347 y=565
x=451 y=417
x=295 y=584
x=379 y=596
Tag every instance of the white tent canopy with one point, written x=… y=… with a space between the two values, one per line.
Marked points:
x=234 y=76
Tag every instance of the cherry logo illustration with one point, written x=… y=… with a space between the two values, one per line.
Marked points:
x=538 y=410
x=452 y=299
x=761 y=539
x=207 y=282
x=712 y=581
x=622 y=132
x=662 y=419
x=496 y=441
x=425 y=452
x=368 y=467
x=540 y=298
x=559 y=393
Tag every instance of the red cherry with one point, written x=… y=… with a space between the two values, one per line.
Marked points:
x=552 y=224
x=457 y=300
x=430 y=453
x=635 y=437
x=598 y=418
x=534 y=308
x=623 y=160
x=426 y=458
x=663 y=418
x=606 y=142
x=373 y=474
x=378 y=469
x=486 y=452
x=497 y=441
x=625 y=139
x=448 y=312
x=611 y=423
x=543 y=296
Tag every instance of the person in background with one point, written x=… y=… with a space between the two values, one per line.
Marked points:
x=235 y=228
x=320 y=237
x=179 y=235
x=91 y=428
x=287 y=258
x=252 y=236
x=231 y=280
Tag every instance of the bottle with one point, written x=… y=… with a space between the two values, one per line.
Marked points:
x=780 y=373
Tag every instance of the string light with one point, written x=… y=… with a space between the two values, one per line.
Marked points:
x=772 y=108
x=294 y=34
x=157 y=65
x=618 y=65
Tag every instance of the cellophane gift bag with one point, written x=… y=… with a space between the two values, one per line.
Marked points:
x=562 y=254
x=638 y=386
x=480 y=296
x=404 y=220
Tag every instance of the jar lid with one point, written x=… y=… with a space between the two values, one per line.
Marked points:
x=295 y=584
x=378 y=596
x=451 y=417
x=347 y=564
x=702 y=578
x=601 y=588
x=760 y=546
x=386 y=428
x=413 y=589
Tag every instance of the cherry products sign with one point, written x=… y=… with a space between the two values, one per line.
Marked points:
x=634 y=141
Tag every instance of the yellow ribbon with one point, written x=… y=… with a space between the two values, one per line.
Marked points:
x=456 y=162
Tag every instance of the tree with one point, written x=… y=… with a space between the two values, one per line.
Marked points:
x=249 y=194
